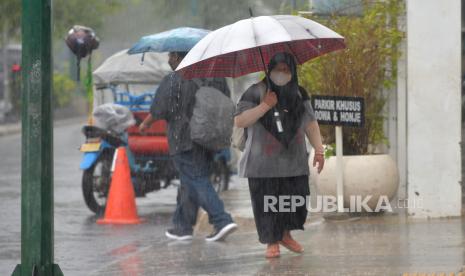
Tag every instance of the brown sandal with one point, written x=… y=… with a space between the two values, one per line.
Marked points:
x=291 y=244
x=272 y=251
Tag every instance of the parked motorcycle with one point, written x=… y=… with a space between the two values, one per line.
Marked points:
x=148 y=152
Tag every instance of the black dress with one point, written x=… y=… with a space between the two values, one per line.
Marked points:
x=271 y=225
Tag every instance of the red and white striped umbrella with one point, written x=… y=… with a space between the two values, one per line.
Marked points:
x=248 y=45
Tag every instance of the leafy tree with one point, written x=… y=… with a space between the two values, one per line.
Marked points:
x=63 y=90
x=367 y=68
x=11 y=14
x=66 y=13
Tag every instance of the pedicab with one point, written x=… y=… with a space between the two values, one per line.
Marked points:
x=124 y=84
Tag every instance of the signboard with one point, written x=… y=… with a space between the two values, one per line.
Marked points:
x=339 y=111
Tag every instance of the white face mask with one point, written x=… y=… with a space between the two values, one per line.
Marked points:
x=280 y=78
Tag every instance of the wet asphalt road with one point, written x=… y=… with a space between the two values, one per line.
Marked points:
x=81 y=246
x=382 y=245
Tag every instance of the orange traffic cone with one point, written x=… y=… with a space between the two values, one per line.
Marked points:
x=121 y=204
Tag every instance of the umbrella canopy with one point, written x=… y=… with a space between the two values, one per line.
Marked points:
x=247 y=45
x=176 y=40
x=128 y=69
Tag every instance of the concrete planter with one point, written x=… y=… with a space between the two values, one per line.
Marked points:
x=364 y=175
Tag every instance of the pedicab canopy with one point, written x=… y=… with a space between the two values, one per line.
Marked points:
x=122 y=68
x=128 y=73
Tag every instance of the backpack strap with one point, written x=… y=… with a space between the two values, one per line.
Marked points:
x=198 y=82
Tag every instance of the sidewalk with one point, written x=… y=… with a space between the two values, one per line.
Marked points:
x=389 y=244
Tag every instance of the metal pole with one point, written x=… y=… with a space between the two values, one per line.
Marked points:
x=6 y=75
x=339 y=170
x=37 y=144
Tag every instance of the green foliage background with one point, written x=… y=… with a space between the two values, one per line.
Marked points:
x=66 y=13
x=366 y=68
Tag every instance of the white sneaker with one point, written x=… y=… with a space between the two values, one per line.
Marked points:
x=222 y=233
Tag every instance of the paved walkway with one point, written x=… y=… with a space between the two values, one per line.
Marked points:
x=389 y=244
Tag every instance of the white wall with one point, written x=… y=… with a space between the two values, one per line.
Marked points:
x=401 y=120
x=433 y=107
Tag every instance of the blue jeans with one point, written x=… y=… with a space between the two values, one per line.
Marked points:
x=197 y=191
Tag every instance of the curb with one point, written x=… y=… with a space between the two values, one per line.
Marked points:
x=11 y=129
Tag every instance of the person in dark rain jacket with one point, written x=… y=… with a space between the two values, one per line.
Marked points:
x=174 y=102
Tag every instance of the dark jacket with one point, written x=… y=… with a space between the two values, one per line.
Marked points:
x=174 y=102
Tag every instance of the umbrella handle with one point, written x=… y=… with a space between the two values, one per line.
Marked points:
x=261 y=56
x=279 y=124
x=264 y=68
x=142 y=59
x=263 y=60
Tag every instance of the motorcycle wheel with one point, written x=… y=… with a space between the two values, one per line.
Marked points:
x=96 y=184
x=220 y=176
